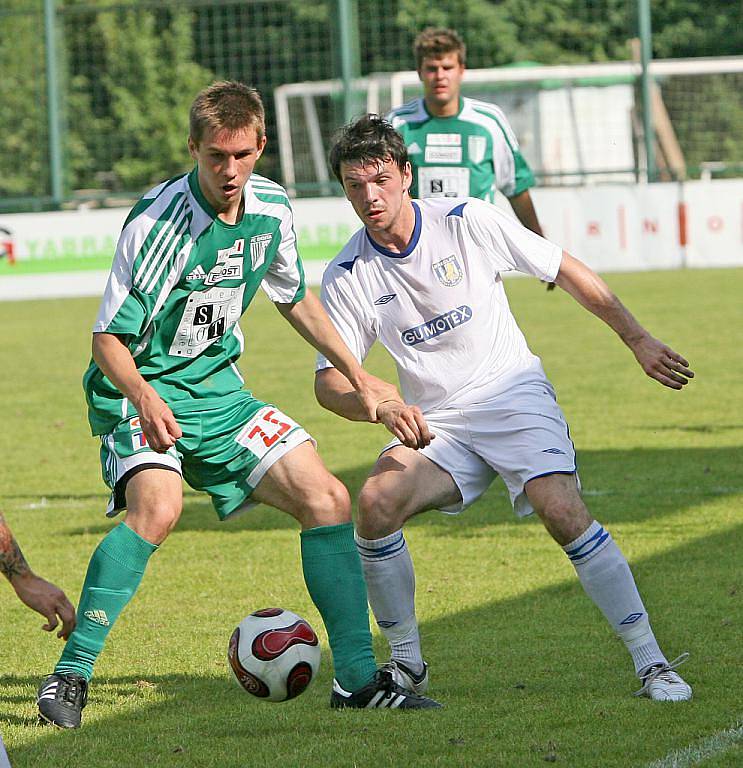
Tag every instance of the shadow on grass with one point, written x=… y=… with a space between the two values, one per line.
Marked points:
x=700 y=429
x=629 y=485
x=37 y=497
x=534 y=678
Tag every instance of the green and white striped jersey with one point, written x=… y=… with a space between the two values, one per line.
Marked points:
x=180 y=281
x=470 y=154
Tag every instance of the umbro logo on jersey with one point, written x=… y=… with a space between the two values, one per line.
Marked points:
x=385 y=299
x=196 y=274
x=99 y=617
x=441 y=324
x=554 y=450
x=414 y=149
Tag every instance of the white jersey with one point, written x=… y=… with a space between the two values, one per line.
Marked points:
x=439 y=307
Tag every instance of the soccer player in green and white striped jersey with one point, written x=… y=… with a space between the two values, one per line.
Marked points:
x=167 y=400
x=457 y=146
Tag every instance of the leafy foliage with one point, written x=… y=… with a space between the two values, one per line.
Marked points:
x=128 y=72
x=135 y=118
x=23 y=128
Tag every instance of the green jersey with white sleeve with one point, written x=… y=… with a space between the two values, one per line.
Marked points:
x=470 y=154
x=180 y=281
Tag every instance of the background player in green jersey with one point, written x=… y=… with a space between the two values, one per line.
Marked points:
x=167 y=400
x=37 y=593
x=457 y=146
x=460 y=147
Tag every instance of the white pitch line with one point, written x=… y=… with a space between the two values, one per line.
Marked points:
x=697 y=753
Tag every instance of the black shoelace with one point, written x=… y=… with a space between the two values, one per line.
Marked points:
x=71 y=691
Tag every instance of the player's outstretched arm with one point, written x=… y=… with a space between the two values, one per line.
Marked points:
x=37 y=593
x=658 y=361
x=407 y=423
x=158 y=423
x=309 y=318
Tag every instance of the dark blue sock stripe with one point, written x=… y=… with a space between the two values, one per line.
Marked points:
x=604 y=535
x=389 y=549
x=570 y=552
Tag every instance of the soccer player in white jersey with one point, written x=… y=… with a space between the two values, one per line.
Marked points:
x=167 y=400
x=424 y=278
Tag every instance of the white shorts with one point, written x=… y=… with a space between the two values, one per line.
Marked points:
x=520 y=435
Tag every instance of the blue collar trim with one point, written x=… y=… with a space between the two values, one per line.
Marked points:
x=410 y=246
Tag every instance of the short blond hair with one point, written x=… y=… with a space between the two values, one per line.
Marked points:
x=435 y=42
x=227 y=105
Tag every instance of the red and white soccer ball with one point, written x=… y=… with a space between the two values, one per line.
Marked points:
x=274 y=654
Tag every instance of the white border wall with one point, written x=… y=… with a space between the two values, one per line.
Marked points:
x=612 y=228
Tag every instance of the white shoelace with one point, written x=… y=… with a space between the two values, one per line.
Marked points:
x=660 y=672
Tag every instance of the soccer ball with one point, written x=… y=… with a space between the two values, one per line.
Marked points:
x=274 y=654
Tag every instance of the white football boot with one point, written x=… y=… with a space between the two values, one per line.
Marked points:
x=662 y=683
x=406 y=678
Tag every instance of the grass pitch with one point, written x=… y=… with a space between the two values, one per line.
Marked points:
x=527 y=668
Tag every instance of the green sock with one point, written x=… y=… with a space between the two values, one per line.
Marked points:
x=332 y=572
x=114 y=573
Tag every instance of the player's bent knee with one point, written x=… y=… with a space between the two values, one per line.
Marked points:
x=154 y=522
x=327 y=505
x=381 y=510
x=339 y=501
x=565 y=520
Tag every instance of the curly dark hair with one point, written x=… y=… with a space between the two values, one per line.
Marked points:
x=368 y=140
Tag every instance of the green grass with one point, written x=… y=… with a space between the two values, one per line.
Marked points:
x=527 y=668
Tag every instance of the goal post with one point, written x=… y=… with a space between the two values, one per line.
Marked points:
x=304 y=121
x=577 y=123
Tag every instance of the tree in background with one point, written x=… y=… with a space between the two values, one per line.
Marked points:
x=129 y=71
x=685 y=28
x=130 y=95
x=24 y=158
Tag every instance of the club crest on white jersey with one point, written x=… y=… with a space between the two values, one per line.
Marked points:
x=258 y=245
x=448 y=271
x=476 y=146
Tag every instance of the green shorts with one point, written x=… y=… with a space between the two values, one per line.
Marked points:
x=228 y=444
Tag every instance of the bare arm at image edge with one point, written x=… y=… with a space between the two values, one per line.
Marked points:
x=37 y=593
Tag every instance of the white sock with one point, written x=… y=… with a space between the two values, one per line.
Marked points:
x=606 y=577
x=390 y=582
